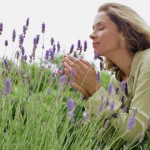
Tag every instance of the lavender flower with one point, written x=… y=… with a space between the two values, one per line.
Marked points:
x=14 y=35
x=124 y=87
x=1 y=28
x=98 y=76
x=17 y=54
x=62 y=79
x=101 y=66
x=131 y=123
x=122 y=99
x=110 y=88
x=37 y=38
x=70 y=104
x=80 y=50
x=7 y=86
x=22 y=50
x=43 y=27
x=117 y=90
x=21 y=40
x=27 y=22
x=47 y=55
x=107 y=102
x=112 y=105
x=85 y=46
x=6 y=43
x=125 y=109
x=52 y=54
x=25 y=57
x=35 y=43
x=54 y=48
x=58 y=47
x=100 y=108
x=5 y=63
x=71 y=49
x=72 y=72
x=24 y=29
x=78 y=44
x=52 y=41
x=96 y=55
x=75 y=54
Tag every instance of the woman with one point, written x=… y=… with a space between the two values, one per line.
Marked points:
x=123 y=38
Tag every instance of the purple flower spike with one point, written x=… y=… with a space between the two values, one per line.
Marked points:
x=78 y=44
x=21 y=40
x=71 y=49
x=7 y=86
x=72 y=72
x=100 y=109
x=131 y=123
x=85 y=46
x=110 y=88
x=22 y=50
x=107 y=102
x=47 y=55
x=6 y=43
x=98 y=76
x=52 y=41
x=27 y=22
x=37 y=38
x=70 y=104
x=62 y=79
x=101 y=66
x=14 y=35
x=117 y=90
x=96 y=55
x=5 y=63
x=58 y=47
x=24 y=29
x=35 y=43
x=125 y=87
x=54 y=48
x=52 y=54
x=43 y=27
x=1 y=28
x=112 y=106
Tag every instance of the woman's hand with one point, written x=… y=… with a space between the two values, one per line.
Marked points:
x=84 y=75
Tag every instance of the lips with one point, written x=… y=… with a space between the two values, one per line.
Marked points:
x=95 y=44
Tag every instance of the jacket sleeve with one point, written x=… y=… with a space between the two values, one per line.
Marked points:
x=139 y=102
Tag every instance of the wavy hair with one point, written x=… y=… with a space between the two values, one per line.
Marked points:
x=136 y=31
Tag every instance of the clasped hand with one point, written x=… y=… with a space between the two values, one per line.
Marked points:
x=84 y=78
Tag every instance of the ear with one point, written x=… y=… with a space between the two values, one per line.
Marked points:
x=122 y=40
x=122 y=37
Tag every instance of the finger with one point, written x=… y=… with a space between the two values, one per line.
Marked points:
x=77 y=62
x=85 y=62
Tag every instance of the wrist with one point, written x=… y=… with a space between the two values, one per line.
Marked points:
x=97 y=86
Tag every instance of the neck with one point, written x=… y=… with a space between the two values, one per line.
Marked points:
x=123 y=60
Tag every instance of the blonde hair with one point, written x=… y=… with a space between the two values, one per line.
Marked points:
x=136 y=31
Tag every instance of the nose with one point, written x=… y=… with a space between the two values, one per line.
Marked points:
x=92 y=36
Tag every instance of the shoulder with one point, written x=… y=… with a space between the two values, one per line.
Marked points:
x=145 y=59
x=141 y=60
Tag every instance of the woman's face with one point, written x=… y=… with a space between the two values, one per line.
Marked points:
x=105 y=36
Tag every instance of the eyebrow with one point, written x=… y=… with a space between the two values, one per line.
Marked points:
x=98 y=23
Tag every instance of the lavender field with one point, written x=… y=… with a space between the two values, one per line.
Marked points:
x=39 y=108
